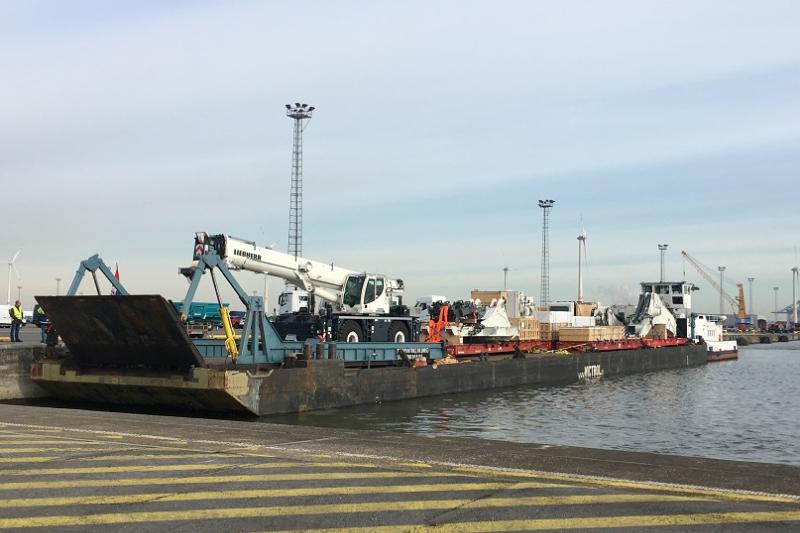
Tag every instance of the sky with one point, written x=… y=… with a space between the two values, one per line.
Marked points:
x=125 y=127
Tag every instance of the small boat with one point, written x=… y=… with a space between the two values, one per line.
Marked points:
x=707 y=329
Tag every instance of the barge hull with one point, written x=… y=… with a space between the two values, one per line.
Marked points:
x=328 y=384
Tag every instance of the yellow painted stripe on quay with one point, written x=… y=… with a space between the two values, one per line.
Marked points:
x=28 y=459
x=64 y=449
x=126 y=457
x=264 y=493
x=122 y=469
x=539 y=524
x=134 y=457
x=245 y=478
x=171 y=467
x=48 y=439
x=478 y=526
x=653 y=486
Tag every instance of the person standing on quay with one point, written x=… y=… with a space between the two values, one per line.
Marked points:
x=16 y=320
x=40 y=319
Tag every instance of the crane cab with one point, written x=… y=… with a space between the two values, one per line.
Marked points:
x=294 y=300
x=366 y=293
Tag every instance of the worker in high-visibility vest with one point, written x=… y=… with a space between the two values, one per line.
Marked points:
x=16 y=320
x=40 y=319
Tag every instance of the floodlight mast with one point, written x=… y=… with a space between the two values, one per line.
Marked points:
x=544 y=289
x=663 y=249
x=300 y=114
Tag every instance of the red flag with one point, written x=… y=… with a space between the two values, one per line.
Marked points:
x=116 y=275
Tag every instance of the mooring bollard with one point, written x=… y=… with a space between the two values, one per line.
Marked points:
x=331 y=350
x=320 y=351
x=306 y=352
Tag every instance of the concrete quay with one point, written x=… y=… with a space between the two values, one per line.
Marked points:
x=15 y=369
x=74 y=470
x=747 y=338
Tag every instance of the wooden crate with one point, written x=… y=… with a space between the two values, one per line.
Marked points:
x=584 y=309
x=550 y=330
x=659 y=331
x=528 y=328
x=591 y=333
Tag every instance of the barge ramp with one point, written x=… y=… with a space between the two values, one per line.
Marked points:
x=79 y=470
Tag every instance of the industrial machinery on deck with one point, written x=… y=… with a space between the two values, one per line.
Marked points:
x=359 y=306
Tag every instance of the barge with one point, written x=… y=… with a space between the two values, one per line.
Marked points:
x=135 y=350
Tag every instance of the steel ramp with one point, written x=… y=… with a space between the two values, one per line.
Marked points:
x=122 y=332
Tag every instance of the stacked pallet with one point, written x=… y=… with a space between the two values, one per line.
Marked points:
x=550 y=330
x=528 y=328
x=591 y=333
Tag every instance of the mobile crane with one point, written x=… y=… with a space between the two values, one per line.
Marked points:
x=359 y=306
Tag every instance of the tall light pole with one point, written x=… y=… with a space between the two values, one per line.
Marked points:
x=581 y=258
x=19 y=292
x=505 y=278
x=663 y=249
x=544 y=289
x=300 y=114
x=721 y=284
x=58 y=286
x=794 y=295
x=775 y=312
x=750 y=288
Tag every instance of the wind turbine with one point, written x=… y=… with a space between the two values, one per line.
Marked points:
x=10 y=266
x=581 y=258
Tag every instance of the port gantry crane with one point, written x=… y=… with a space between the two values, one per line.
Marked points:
x=736 y=303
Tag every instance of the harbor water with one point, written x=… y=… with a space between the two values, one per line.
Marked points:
x=746 y=410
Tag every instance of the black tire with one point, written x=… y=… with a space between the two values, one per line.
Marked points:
x=350 y=331
x=398 y=332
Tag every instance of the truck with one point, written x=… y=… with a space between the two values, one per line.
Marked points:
x=202 y=313
x=354 y=306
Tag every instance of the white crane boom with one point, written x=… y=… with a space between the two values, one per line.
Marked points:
x=335 y=284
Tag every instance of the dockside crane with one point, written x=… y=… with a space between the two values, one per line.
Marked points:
x=737 y=304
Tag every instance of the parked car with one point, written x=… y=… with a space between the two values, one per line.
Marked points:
x=237 y=319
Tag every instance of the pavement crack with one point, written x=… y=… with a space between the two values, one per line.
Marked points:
x=437 y=519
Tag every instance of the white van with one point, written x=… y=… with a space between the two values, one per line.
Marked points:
x=5 y=318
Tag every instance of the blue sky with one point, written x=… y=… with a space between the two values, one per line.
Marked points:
x=127 y=126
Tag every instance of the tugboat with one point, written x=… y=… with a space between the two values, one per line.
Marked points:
x=707 y=329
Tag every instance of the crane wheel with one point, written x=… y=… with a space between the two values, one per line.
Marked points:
x=350 y=331
x=398 y=332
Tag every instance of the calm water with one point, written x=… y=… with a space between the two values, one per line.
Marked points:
x=747 y=410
